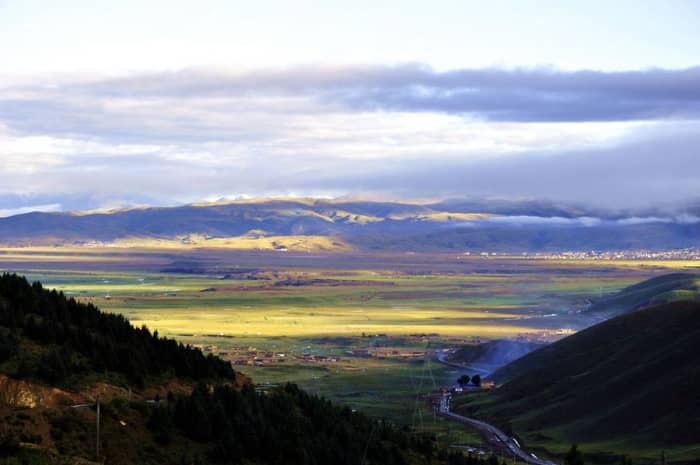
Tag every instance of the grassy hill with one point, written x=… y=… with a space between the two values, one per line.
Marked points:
x=340 y=225
x=666 y=288
x=269 y=217
x=628 y=384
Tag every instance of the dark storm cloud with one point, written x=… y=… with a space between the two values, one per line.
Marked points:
x=532 y=94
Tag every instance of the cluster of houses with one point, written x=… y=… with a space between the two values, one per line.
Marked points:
x=251 y=356
x=692 y=253
x=385 y=352
x=546 y=335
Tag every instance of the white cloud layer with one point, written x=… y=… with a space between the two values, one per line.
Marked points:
x=608 y=139
x=5 y=212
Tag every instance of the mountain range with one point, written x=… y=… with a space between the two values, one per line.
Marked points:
x=453 y=225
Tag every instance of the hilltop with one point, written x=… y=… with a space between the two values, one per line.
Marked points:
x=342 y=225
x=629 y=383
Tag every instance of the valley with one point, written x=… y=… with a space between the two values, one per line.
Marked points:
x=367 y=331
x=350 y=233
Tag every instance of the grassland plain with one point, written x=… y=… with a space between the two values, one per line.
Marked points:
x=359 y=329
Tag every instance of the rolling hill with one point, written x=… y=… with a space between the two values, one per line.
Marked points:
x=628 y=384
x=457 y=225
x=661 y=289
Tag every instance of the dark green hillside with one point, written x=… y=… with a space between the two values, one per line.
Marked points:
x=285 y=426
x=666 y=288
x=634 y=379
x=72 y=339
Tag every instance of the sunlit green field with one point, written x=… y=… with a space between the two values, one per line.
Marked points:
x=349 y=304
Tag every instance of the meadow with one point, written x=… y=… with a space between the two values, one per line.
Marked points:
x=361 y=330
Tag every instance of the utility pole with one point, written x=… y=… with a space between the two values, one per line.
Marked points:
x=97 y=424
x=97 y=435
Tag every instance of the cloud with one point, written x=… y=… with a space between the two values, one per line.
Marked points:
x=53 y=207
x=525 y=220
x=224 y=104
x=521 y=94
x=628 y=175
x=252 y=107
x=615 y=139
x=654 y=168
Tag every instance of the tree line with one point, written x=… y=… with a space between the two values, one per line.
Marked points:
x=89 y=340
x=288 y=426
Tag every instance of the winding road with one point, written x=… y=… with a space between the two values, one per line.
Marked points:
x=496 y=435
x=442 y=358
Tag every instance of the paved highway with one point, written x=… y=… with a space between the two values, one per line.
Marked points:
x=499 y=435
x=442 y=358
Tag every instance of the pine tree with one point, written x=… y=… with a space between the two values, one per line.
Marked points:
x=574 y=456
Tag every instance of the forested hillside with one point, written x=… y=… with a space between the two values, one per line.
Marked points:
x=71 y=339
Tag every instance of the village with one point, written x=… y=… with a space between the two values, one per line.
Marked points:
x=414 y=347
x=690 y=253
x=253 y=356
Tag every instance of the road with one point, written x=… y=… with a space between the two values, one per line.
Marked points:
x=495 y=433
x=442 y=358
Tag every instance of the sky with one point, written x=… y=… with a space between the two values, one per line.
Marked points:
x=110 y=104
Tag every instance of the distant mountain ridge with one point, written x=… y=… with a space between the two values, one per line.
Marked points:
x=455 y=225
